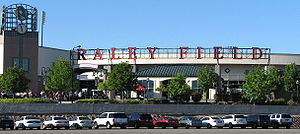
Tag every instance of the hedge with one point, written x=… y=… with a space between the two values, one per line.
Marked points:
x=27 y=100
x=126 y=101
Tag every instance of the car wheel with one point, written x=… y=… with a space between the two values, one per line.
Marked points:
x=265 y=127
x=123 y=127
x=276 y=125
x=67 y=127
x=51 y=126
x=38 y=128
x=198 y=127
x=90 y=127
x=175 y=127
x=163 y=126
x=77 y=126
x=187 y=126
x=220 y=127
x=288 y=127
x=96 y=125
x=254 y=126
x=208 y=126
x=23 y=126
x=230 y=125
x=108 y=126
x=3 y=128
x=150 y=127
x=11 y=128
x=136 y=126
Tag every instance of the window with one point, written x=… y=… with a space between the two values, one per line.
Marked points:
x=277 y=116
x=24 y=63
x=195 y=86
x=103 y=115
x=149 y=85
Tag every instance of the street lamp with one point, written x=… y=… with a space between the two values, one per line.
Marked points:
x=297 y=84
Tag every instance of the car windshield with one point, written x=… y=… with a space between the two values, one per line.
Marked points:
x=194 y=118
x=84 y=118
x=286 y=116
x=215 y=118
x=239 y=116
x=119 y=115
x=32 y=118
x=60 y=118
x=145 y=117
x=169 y=118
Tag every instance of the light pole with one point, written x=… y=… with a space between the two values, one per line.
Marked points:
x=147 y=87
x=297 y=84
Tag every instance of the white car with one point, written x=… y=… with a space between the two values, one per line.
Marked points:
x=80 y=122
x=212 y=121
x=56 y=122
x=28 y=122
x=281 y=120
x=235 y=120
x=110 y=119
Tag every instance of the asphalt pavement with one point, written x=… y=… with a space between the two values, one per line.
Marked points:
x=156 y=131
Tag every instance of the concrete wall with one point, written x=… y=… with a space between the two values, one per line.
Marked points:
x=14 y=109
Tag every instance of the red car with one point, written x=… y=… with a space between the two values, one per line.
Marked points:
x=164 y=122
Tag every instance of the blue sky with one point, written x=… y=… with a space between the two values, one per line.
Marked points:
x=170 y=23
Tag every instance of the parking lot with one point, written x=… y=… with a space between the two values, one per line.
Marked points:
x=156 y=131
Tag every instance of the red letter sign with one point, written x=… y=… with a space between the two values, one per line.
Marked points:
x=151 y=52
x=235 y=53
x=183 y=52
x=131 y=52
x=254 y=53
x=81 y=53
x=199 y=52
x=217 y=52
x=113 y=54
x=98 y=54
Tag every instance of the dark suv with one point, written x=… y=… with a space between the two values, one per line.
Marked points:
x=140 y=120
x=6 y=122
x=255 y=121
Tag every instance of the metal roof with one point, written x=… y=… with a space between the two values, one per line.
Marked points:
x=170 y=71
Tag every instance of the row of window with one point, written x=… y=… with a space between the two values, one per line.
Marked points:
x=21 y=63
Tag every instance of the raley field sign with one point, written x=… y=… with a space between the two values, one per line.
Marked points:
x=254 y=53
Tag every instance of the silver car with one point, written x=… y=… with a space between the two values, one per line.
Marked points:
x=189 y=121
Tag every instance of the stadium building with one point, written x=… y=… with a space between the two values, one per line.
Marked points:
x=154 y=66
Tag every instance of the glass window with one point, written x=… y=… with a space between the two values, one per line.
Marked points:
x=277 y=116
x=16 y=62
x=84 y=118
x=60 y=118
x=26 y=64
x=195 y=86
x=103 y=115
x=149 y=85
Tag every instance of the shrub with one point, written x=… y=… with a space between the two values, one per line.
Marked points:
x=131 y=101
x=91 y=100
x=280 y=101
x=27 y=100
x=196 y=96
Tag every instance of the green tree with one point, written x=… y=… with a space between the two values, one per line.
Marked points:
x=13 y=80
x=290 y=77
x=207 y=78
x=260 y=83
x=121 y=78
x=178 y=89
x=61 y=77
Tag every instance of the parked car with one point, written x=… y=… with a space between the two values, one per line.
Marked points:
x=80 y=122
x=111 y=119
x=255 y=121
x=212 y=121
x=235 y=120
x=6 y=122
x=164 y=122
x=281 y=120
x=28 y=122
x=189 y=121
x=56 y=122
x=138 y=120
